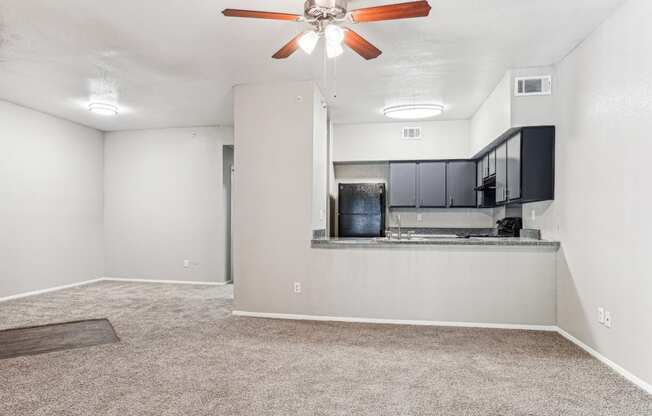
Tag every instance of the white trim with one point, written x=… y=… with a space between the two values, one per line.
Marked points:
x=52 y=289
x=618 y=369
x=548 y=328
x=107 y=279
x=171 y=282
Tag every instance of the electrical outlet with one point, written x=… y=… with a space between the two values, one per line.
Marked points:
x=420 y=217
x=607 y=319
x=533 y=214
x=297 y=287
x=186 y=263
x=601 y=315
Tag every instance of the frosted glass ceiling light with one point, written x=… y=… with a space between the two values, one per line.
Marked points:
x=334 y=34
x=103 y=109
x=308 y=41
x=333 y=50
x=413 y=111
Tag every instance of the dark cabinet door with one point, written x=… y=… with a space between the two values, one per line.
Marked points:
x=432 y=184
x=403 y=184
x=492 y=163
x=460 y=183
x=501 y=173
x=479 y=182
x=514 y=168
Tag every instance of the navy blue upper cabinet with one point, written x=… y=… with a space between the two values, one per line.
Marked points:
x=403 y=184
x=432 y=184
x=460 y=184
x=501 y=173
x=514 y=168
x=537 y=165
x=525 y=165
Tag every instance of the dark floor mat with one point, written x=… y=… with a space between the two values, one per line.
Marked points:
x=55 y=337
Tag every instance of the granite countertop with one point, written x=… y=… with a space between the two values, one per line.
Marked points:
x=432 y=241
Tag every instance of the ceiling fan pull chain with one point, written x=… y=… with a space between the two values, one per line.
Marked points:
x=334 y=79
x=325 y=71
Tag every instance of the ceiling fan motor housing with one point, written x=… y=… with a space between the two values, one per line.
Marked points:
x=324 y=9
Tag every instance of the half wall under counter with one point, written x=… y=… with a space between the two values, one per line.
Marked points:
x=448 y=282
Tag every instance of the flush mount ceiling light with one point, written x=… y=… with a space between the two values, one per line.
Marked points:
x=103 y=109
x=413 y=111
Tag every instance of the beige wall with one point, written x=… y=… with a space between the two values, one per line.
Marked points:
x=601 y=211
x=502 y=110
x=382 y=141
x=165 y=202
x=50 y=201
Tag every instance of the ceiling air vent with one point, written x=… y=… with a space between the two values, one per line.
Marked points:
x=411 y=133
x=525 y=86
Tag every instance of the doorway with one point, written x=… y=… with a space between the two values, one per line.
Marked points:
x=228 y=173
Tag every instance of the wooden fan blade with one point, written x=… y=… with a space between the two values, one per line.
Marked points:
x=361 y=45
x=260 y=15
x=289 y=48
x=392 y=11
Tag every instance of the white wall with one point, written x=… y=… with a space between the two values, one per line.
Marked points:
x=165 y=203
x=320 y=173
x=601 y=211
x=382 y=141
x=502 y=110
x=50 y=201
x=493 y=117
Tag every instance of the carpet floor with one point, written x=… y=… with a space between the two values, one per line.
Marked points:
x=182 y=353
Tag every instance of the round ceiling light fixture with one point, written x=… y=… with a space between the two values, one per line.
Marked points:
x=413 y=111
x=103 y=109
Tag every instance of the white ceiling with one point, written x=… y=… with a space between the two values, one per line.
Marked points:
x=173 y=62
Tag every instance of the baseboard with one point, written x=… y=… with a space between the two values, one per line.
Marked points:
x=394 y=321
x=171 y=282
x=52 y=289
x=629 y=376
x=107 y=279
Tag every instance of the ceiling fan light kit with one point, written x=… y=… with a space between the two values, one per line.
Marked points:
x=413 y=111
x=308 y=41
x=326 y=16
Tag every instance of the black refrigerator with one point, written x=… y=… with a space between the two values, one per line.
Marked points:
x=361 y=210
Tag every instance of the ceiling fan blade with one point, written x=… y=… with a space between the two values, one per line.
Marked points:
x=392 y=11
x=361 y=45
x=289 y=48
x=260 y=15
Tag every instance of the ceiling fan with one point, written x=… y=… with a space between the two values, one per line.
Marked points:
x=326 y=18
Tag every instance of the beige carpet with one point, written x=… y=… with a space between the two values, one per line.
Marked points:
x=181 y=353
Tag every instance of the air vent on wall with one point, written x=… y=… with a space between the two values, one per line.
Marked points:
x=541 y=85
x=411 y=133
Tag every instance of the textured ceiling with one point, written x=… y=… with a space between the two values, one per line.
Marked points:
x=174 y=62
